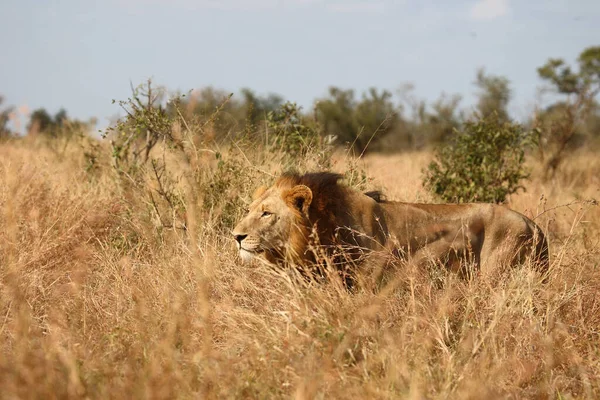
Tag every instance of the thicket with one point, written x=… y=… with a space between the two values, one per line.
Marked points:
x=484 y=162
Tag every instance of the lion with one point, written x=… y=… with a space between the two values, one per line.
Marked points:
x=303 y=217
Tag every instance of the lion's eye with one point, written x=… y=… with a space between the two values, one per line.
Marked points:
x=266 y=214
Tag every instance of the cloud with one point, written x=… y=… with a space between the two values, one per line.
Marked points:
x=489 y=9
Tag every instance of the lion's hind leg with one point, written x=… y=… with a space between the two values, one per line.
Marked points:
x=526 y=248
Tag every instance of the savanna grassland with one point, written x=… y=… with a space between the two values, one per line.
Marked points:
x=128 y=285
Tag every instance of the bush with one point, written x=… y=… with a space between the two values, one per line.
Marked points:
x=483 y=162
x=290 y=131
x=145 y=125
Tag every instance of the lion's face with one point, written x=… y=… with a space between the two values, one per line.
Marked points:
x=267 y=228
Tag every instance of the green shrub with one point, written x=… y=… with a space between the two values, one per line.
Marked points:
x=290 y=131
x=295 y=139
x=145 y=124
x=483 y=162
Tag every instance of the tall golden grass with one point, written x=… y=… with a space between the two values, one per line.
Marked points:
x=99 y=299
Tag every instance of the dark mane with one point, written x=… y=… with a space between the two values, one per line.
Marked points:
x=330 y=199
x=309 y=179
x=324 y=185
x=330 y=213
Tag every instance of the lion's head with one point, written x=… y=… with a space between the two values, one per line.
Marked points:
x=272 y=218
x=280 y=218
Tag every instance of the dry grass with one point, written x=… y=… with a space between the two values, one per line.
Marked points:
x=98 y=300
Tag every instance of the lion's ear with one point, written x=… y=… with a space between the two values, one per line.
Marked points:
x=259 y=192
x=298 y=197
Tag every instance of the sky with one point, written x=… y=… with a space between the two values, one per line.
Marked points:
x=81 y=54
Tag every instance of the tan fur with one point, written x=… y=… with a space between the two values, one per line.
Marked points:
x=281 y=219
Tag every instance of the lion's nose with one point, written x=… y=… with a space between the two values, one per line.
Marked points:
x=239 y=238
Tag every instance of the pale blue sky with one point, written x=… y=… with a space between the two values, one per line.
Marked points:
x=80 y=54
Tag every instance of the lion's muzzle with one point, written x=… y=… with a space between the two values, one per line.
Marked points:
x=239 y=238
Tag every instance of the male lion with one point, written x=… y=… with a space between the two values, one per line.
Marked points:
x=302 y=216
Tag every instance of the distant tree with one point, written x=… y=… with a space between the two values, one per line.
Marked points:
x=257 y=107
x=592 y=122
x=59 y=125
x=566 y=81
x=61 y=117
x=377 y=117
x=445 y=118
x=42 y=122
x=560 y=124
x=4 y=119
x=39 y=121
x=336 y=114
x=235 y=113
x=357 y=123
x=433 y=123
x=494 y=95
